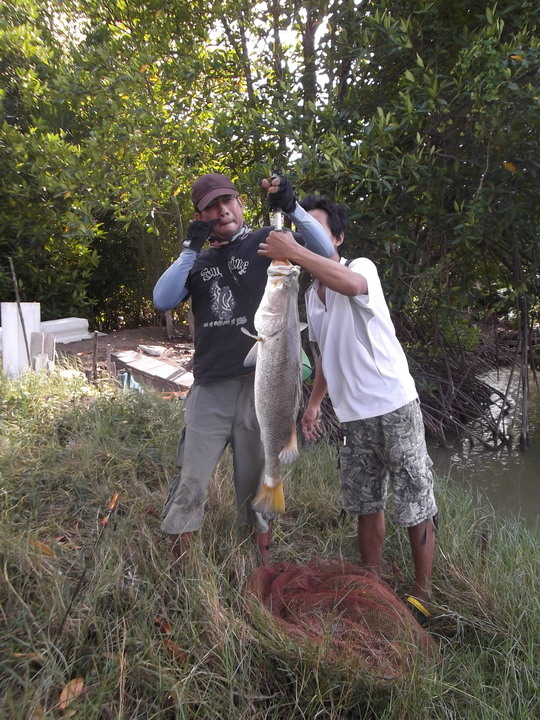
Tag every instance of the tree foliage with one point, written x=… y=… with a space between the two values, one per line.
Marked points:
x=421 y=117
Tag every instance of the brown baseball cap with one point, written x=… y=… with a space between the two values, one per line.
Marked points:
x=210 y=186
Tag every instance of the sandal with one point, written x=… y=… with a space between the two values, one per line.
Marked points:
x=419 y=611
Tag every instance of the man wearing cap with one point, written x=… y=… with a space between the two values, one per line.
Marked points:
x=226 y=283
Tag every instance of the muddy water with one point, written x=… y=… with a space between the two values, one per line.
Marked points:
x=509 y=479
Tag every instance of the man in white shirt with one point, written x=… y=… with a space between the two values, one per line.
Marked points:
x=363 y=368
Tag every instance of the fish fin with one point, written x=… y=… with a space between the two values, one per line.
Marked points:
x=251 y=358
x=270 y=499
x=246 y=332
x=290 y=451
x=303 y=326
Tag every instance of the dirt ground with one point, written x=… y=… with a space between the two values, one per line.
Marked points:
x=177 y=352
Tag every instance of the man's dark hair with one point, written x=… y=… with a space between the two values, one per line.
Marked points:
x=337 y=216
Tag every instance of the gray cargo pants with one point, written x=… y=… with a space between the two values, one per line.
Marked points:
x=216 y=415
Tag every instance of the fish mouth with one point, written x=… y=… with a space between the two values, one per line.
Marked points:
x=282 y=268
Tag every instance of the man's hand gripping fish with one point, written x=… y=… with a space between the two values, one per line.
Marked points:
x=278 y=378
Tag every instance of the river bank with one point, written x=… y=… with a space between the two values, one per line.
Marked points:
x=508 y=478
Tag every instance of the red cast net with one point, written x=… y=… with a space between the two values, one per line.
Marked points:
x=356 y=620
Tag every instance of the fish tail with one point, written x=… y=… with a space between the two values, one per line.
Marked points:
x=270 y=499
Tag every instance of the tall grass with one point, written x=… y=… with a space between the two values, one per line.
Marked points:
x=152 y=645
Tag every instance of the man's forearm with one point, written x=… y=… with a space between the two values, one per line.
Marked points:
x=333 y=274
x=170 y=288
x=319 y=388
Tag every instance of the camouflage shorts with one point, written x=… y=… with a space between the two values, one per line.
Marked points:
x=388 y=450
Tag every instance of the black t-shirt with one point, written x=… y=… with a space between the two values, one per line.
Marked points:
x=226 y=285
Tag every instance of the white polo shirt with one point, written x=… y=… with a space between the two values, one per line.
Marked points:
x=366 y=370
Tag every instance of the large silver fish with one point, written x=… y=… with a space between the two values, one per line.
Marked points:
x=278 y=378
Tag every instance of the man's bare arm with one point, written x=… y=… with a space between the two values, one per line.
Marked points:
x=333 y=274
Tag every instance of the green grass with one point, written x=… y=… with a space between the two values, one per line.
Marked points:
x=67 y=447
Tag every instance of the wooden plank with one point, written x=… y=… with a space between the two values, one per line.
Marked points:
x=49 y=346
x=149 y=369
x=42 y=350
x=40 y=361
x=142 y=362
x=36 y=344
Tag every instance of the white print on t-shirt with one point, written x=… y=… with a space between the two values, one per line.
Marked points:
x=209 y=273
x=239 y=265
x=235 y=265
x=223 y=302
x=219 y=323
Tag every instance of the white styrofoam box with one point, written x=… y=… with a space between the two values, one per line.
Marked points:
x=65 y=330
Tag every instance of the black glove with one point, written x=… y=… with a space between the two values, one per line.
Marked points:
x=285 y=198
x=198 y=233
